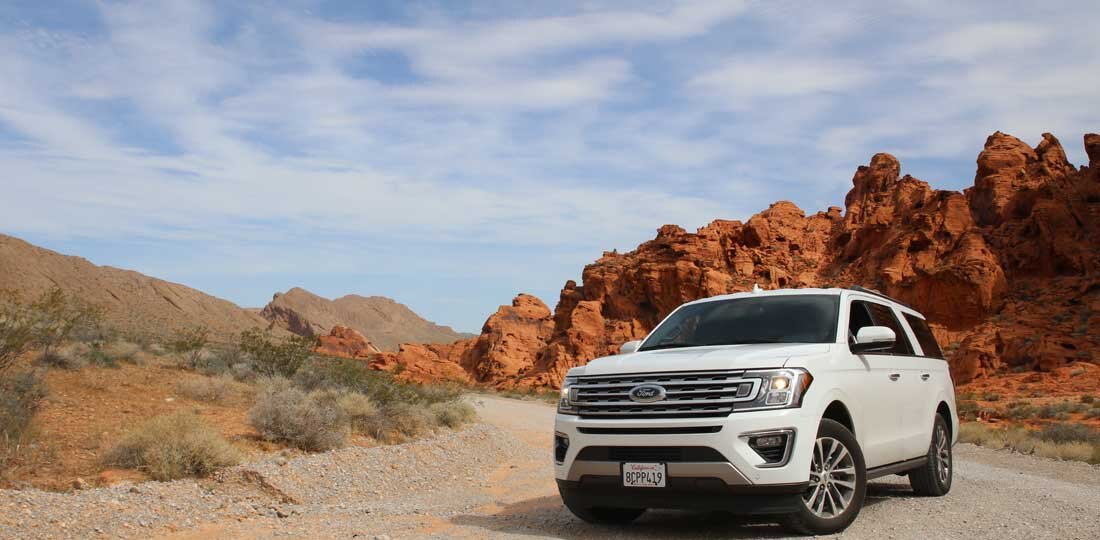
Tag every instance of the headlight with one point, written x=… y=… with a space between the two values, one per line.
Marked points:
x=779 y=389
x=568 y=396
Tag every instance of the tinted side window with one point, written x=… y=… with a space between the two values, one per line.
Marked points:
x=884 y=316
x=924 y=336
x=858 y=317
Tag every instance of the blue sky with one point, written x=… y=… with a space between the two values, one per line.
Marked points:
x=452 y=154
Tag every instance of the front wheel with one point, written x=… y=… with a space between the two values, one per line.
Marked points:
x=838 y=483
x=934 y=477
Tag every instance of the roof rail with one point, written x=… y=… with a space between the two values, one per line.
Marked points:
x=878 y=294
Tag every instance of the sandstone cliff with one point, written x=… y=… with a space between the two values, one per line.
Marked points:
x=1008 y=272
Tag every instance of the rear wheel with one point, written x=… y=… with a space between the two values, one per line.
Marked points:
x=838 y=483
x=601 y=515
x=934 y=477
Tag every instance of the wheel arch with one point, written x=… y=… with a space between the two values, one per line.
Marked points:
x=837 y=411
x=944 y=410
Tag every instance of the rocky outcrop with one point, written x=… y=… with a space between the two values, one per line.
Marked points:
x=510 y=340
x=385 y=322
x=1008 y=272
x=345 y=342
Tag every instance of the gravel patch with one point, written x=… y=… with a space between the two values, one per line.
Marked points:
x=494 y=480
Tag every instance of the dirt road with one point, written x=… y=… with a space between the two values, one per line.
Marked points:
x=495 y=481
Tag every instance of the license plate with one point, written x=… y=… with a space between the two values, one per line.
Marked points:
x=649 y=475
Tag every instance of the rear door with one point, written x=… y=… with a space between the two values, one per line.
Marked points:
x=931 y=374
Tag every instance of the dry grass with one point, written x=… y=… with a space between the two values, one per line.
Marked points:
x=1057 y=445
x=209 y=389
x=173 y=446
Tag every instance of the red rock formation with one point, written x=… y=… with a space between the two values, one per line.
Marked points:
x=1007 y=272
x=345 y=342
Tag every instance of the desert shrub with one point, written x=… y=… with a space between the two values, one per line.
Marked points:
x=123 y=351
x=16 y=329
x=242 y=371
x=97 y=356
x=188 y=344
x=1025 y=441
x=1020 y=411
x=310 y=421
x=68 y=356
x=1092 y=414
x=1088 y=399
x=20 y=396
x=275 y=357
x=379 y=386
x=453 y=414
x=359 y=411
x=219 y=360
x=1061 y=433
x=57 y=316
x=400 y=421
x=173 y=446
x=967 y=409
x=991 y=396
x=211 y=389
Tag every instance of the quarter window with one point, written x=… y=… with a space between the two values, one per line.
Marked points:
x=924 y=335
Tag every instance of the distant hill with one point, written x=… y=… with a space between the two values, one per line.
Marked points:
x=133 y=303
x=385 y=322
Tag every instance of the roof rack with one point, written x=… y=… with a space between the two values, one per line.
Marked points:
x=878 y=294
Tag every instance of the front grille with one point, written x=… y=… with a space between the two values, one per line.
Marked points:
x=687 y=394
x=651 y=454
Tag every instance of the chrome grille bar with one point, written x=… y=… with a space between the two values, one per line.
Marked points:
x=687 y=394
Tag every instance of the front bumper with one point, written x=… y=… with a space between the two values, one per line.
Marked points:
x=685 y=493
x=740 y=470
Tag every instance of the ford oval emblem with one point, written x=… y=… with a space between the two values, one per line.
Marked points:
x=647 y=393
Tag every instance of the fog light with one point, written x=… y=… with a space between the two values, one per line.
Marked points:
x=771 y=446
x=771 y=441
x=561 y=446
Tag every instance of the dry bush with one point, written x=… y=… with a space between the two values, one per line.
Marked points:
x=454 y=414
x=69 y=356
x=1025 y=441
x=123 y=351
x=276 y=357
x=312 y=422
x=20 y=396
x=188 y=344
x=358 y=410
x=209 y=389
x=173 y=446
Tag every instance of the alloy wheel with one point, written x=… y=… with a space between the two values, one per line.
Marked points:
x=832 y=479
x=943 y=455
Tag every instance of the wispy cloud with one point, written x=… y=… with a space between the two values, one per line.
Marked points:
x=248 y=147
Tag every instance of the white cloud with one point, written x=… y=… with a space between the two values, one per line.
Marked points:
x=742 y=80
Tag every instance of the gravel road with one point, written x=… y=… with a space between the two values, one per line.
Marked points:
x=494 y=480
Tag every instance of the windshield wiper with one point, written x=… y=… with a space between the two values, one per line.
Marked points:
x=669 y=346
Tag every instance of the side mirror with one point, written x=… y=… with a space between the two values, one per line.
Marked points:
x=629 y=347
x=873 y=338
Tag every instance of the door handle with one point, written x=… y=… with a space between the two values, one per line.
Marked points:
x=924 y=376
x=895 y=376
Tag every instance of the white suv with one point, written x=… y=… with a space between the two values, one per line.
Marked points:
x=771 y=402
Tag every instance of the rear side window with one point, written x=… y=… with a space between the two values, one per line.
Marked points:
x=880 y=315
x=924 y=335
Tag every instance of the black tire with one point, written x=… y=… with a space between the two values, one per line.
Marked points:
x=601 y=515
x=807 y=521
x=933 y=479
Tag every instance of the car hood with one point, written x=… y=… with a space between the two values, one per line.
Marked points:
x=762 y=355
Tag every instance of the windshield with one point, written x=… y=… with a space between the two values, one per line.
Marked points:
x=804 y=318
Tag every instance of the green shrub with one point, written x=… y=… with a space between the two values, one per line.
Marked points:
x=309 y=421
x=16 y=329
x=276 y=358
x=188 y=344
x=1020 y=411
x=173 y=446
x=379 y=386
x=70 y=356
x=98 y=357
x=57 y=316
